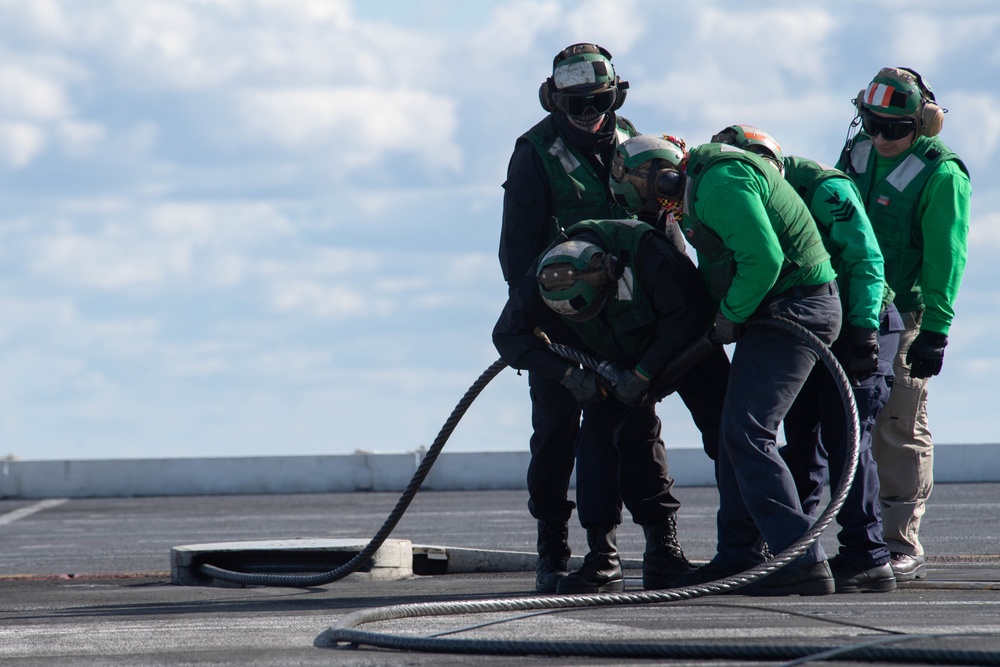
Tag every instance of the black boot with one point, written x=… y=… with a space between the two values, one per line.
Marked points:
x=553 y=555
x=663 y=563
x=601 y=571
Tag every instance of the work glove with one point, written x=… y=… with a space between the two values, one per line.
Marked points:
x=631 y=389
x=858 y=353
x=727 y=331
x=926 y=354
x=583 y=384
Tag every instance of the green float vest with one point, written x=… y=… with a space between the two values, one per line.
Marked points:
x=623 y=329
x=576 y=191
x=892 y=207
x=797 y=234
x=806 y=176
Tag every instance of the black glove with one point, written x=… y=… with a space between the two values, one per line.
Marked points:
x=926 y=354
x=631 y=389
x=583 y=384
x=858 y=353
x=727 y=331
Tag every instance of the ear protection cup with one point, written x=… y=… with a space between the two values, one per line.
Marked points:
x=622 y=92
x=931 y=118
x=931 y=115
x=667 y=183
x=545 y=95
x=613 y=267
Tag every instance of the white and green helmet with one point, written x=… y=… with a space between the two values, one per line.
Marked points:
x=753 y=140
x=572 y=279
x=583 y=84
x=643 y=169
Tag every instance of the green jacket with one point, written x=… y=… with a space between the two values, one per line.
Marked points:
x=625 y=327
x=918 y=203
x=847 y=233
x=578 y=191
x=754 y=235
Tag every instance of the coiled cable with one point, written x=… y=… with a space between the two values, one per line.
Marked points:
x=345 y=630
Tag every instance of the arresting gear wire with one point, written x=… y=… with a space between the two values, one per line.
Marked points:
x=346 y=632
x=365 y=555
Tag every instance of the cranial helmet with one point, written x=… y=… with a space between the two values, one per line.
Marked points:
x=645 y=169
x=576 y=278
x=754 y=140
x=583 y=84
x=900 y=91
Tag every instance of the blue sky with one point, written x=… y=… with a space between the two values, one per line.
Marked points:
x=263 y=227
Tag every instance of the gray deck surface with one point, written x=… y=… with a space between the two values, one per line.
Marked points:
x=86 y=582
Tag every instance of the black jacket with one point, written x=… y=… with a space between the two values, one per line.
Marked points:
x=671 y=282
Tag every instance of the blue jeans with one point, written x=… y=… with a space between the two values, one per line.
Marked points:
x=757 y=494
x=816 y=432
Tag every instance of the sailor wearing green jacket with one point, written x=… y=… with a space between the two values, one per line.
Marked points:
x=815 y=426
x=761 y=254
x=916 y=192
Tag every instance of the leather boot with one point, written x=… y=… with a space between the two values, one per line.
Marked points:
x=663 y=563
x=601 y=571
x=553 y=555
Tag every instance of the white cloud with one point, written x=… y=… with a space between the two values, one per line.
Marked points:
x=362 y=125
x=984 y=231
x=218 y=223
x=224 y=230
x=327 y=301
x=976 y=27
x=326 y=262
x=38 y=19
x=168 y=243
x=974 y=123
x=80 y=139
x=20 y=143
x=28 y=316
x=188 y=45
x=113 y=260
x=30 y=96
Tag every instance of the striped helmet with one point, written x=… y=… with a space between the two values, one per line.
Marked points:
x=894 y=91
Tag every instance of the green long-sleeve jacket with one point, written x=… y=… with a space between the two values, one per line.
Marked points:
x=918 y=203
x=760 y=219
x=839 y=213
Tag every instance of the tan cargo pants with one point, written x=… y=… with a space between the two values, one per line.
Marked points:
x=904 y=451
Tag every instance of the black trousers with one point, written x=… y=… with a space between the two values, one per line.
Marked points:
x=621 y=457
x=555 y=422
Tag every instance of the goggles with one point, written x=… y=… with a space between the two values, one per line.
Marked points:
x=891 y=129
x=560 y=277
x=577 y=105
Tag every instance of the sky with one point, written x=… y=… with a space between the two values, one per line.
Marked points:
x=270 y=227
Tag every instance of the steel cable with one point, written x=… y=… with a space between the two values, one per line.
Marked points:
x=364 y=556
x=344 y=631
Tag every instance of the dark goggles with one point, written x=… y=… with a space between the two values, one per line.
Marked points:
x=560 y=277
x=891 y=129
x=577 y=105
